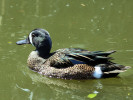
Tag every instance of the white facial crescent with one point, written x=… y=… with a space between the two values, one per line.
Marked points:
x=30 y=38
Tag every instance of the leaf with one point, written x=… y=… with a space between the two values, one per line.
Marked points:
x=82 y=4
x=128 y=93
x=9 y=42
x=93 y=95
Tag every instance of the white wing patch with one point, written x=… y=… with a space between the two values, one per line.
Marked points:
x=98 y=72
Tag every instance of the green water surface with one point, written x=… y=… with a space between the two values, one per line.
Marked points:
x=89 y=24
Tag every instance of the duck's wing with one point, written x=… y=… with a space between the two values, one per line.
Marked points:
x=92 y=58
x=68 y=57
x=60 y=60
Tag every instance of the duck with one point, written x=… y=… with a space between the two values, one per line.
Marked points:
x=68 y=63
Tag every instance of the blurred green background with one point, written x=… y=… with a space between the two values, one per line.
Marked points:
x=88 y=24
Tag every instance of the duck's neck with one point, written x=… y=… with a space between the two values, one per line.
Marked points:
x=43 y=47
x=44 y=51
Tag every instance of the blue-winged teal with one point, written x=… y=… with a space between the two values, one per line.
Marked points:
x=68 y=63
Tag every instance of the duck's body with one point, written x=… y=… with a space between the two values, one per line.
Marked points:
x=68 y=63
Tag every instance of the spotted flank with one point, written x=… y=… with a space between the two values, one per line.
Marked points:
x=69 y=63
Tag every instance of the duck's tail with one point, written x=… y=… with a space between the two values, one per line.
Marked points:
x=115 y=72
x=122 y=69
x=111 y=70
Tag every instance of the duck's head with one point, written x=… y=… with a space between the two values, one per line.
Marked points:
x=39 y=38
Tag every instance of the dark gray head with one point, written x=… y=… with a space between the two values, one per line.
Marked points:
x=39 y=38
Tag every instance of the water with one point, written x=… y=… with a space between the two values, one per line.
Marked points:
x=88 y=24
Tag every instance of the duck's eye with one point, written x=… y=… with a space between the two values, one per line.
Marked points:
x=33 y=35
x=47 y=33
